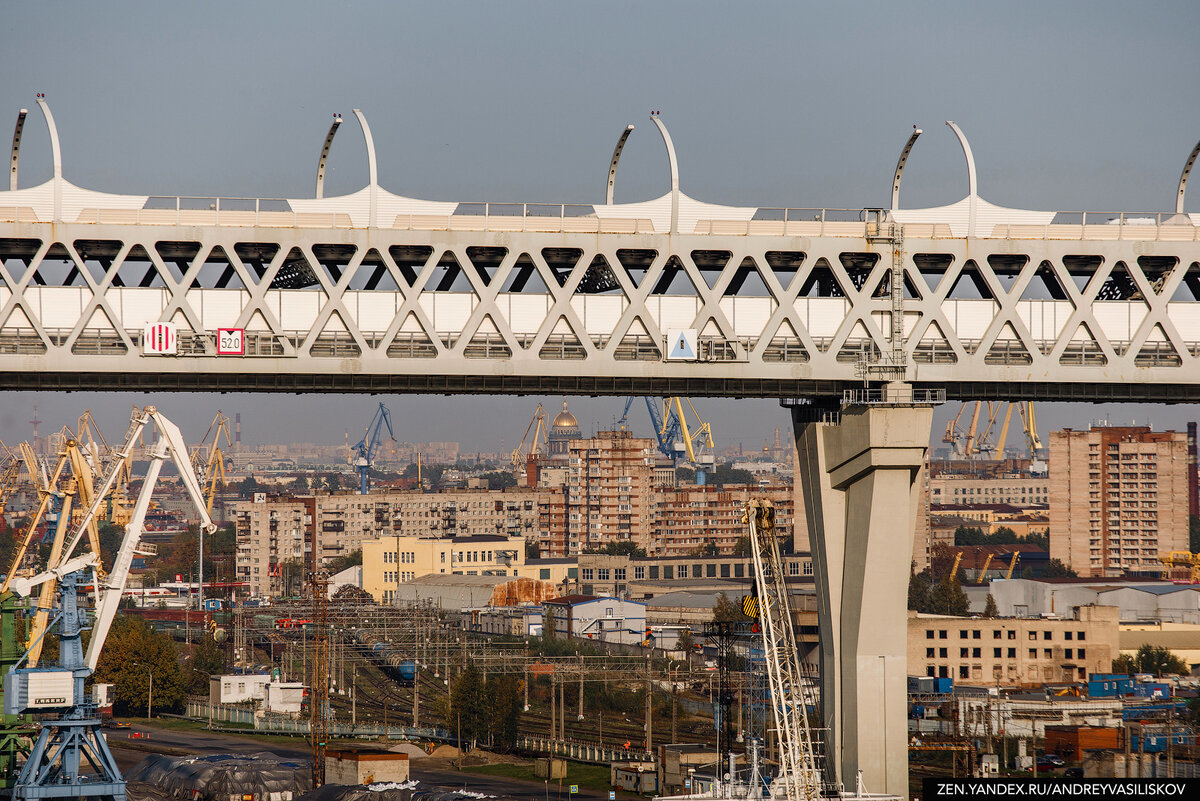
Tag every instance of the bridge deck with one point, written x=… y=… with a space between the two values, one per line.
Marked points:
x=578 y=304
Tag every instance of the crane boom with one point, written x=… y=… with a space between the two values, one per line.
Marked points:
x=369 y=444
x=799 y=773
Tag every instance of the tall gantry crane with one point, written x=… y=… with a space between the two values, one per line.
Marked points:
x=70 y=751
x=800 y=774
x=209 y=460
x=675 y=437
x=538 y=426
x=366 y=448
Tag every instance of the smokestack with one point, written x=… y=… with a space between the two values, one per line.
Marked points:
x=237 y=431
x=1193 y=487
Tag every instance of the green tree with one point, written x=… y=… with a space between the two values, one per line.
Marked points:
x=685 y=641
x=469 y=707
x=1152 y=659
x=110 y=542
x=727 y=611
x=708 y=548
x=946 y=597
x=208 y=660
x=500 y=479
x=504 y=711
x=989 y=609
x=132 y=653
x=532 y=549
x=918 y=591
x=340 y=563
x=622 y=548
x=742 y=546
x=1056 y=569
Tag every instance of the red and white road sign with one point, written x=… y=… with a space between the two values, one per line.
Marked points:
x=159 y=339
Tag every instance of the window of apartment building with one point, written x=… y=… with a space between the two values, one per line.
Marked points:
x=929 y=634
x=930 y=670
x=962 y=634
x=996 y=653
x=962 y=653
x=654 y=571
x=964 y=672
x=808 y=568
x=668 y=572
x=975 y=634
x=639 y=572
x=975 y=653
x=929 y=653
x=1012 y=634
x=725 y=570
x=1069 y=653
x=995 y=634
x=1081 y=636
x=602 y=574
x=1067 y=635
x=1012 y=653
x=793 y=568
x=1047 y=635
x=1032 y=635
x=942 y=653
x=1082 y=653
x=710 y=570
x=1047 y=653
x=944 y=672
x=942 y=634
x=589 y=574
x=739 y=571
x=1033 y=653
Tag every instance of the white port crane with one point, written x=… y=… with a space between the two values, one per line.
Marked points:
x=71 y=740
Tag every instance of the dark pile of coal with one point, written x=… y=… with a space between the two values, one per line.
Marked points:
x=219 y=777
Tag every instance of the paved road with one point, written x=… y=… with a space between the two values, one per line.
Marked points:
x=129 y=750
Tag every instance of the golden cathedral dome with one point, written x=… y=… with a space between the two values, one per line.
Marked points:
x=565 y=419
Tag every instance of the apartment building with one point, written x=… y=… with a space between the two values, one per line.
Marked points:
x=273 y=529
x=269 y=533
x=608 y=491
x=1010 y=651
x=1118 y=498
x=692 y=519
x=646 y=576
x=391 y=561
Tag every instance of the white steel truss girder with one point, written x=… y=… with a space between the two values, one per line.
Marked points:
x=1122 y=321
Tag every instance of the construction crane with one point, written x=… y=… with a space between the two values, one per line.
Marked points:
x=10 y=474
x=675 y=438
x=364 y=451
x=1184 y=559
x=1016 y=557
x=209 y=460
x=976 y=442
x=538 y=426
x=70 y=739
x=800 y=776
x=983 y=570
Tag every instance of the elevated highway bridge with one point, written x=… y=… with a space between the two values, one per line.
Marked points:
x=381 y=293
x=885 y=310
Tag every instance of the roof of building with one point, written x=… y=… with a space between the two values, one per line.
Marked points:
x=1152 y=589
x=684 y=600
x=571 y=600
x=1171 y=639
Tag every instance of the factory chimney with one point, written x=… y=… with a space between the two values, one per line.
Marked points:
x=237 y=432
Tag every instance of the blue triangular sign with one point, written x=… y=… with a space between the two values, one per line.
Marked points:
x=682 y=347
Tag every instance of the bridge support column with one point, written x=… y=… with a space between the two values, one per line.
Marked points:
x=860 y=473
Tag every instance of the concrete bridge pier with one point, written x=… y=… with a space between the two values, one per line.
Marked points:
x=860 y=473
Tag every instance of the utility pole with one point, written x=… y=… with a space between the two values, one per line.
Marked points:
x=318 y=709
x=649 y=717
x=416 y=694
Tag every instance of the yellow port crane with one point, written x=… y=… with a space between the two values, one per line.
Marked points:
x=1012 y=563
x=537 y=425
x=983 y=570
x=976 y=442
x=209 y=460
x=10 y=474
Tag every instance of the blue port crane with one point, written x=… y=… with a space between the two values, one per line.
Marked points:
x=675 y=438
x=368 y=446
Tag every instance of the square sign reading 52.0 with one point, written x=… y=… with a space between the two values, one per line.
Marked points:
x=231 y=342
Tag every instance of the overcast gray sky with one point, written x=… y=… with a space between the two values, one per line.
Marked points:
x=1068 y=105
